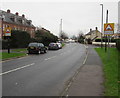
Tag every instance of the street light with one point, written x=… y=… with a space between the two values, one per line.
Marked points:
x=101 y=24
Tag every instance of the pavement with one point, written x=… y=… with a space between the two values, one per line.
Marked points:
x=89 y=81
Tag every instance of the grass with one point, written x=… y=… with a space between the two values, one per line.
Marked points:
x=19 y=50
x=5 y=55
x=110 y=69
x=63 y=44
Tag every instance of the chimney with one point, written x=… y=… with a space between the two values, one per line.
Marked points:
x=8 y=11
x=96 y=28
x=17 y=13
x=23 y=15
x=90 y=29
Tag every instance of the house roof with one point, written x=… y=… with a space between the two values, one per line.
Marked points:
x=89 y=33
x=7 y=17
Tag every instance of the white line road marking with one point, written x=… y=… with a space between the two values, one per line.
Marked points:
x=85 y=59
x=47 y=59
x=53 y=57
x=16 y=69
x=50 y=58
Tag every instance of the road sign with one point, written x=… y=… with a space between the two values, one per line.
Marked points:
x=7 y=31
x=109 y=28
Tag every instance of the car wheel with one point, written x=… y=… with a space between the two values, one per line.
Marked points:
x=45 y=51
x=29 y=52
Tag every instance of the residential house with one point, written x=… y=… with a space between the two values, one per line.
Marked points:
x=16 y=22
x=93 y=34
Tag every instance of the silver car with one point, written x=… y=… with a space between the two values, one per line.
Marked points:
x=59 y=45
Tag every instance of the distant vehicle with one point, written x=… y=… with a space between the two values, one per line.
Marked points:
x=53 y=46
x=59 y=42
x=36 y=48
x=59 y=45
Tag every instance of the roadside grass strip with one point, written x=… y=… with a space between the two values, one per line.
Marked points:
x=20 y=50
x=63 y=44
x=110 y=68
x=4 y=55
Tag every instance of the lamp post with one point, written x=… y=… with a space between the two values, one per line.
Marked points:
x=101 y=25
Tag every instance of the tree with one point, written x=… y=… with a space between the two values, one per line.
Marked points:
x=63 y=35
x=45 y=36
x=81 y=37
x=74 y=37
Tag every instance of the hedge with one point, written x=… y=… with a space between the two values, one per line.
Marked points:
x=118 y=44
x=18 y=39
x=21 y=39
x=105 y=40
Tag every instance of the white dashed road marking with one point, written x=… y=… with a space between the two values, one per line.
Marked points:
x=16 y=69
x=50 y=58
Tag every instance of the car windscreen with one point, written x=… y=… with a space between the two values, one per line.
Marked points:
x=33 y=44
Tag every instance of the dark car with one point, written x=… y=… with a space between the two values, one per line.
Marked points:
x=53 y=46
x=36 y=48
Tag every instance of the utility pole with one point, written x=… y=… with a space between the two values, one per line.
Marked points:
x=106 y=35
x=101 y=25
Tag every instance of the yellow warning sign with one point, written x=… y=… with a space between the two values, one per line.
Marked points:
x=7 y=31
x=109 y=28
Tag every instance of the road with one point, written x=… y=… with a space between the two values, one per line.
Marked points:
x=44 y=74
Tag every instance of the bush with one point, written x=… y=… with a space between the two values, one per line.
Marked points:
x=21 y=39
x=4 y=44
x=18 y=39
x=105 y=40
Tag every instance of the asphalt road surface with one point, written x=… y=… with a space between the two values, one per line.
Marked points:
x=43 y=74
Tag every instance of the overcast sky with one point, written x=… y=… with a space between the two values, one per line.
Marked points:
x=77 y=16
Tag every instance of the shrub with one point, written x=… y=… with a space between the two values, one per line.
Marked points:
x=18 y=39
x=105 y=40
x=118 y=44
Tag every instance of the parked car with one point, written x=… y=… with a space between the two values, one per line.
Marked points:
x=53 y=46
x=59 y=45
x=36 y=48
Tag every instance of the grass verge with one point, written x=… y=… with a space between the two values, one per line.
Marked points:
x=19 y=50
x=110 y=68
x=5 y=55
x=63 y=44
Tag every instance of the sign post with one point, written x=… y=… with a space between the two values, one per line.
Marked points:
x=7 y=33
x=108 y=31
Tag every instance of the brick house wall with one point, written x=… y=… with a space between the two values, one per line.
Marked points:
x=30 y=30
x=16 y=22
